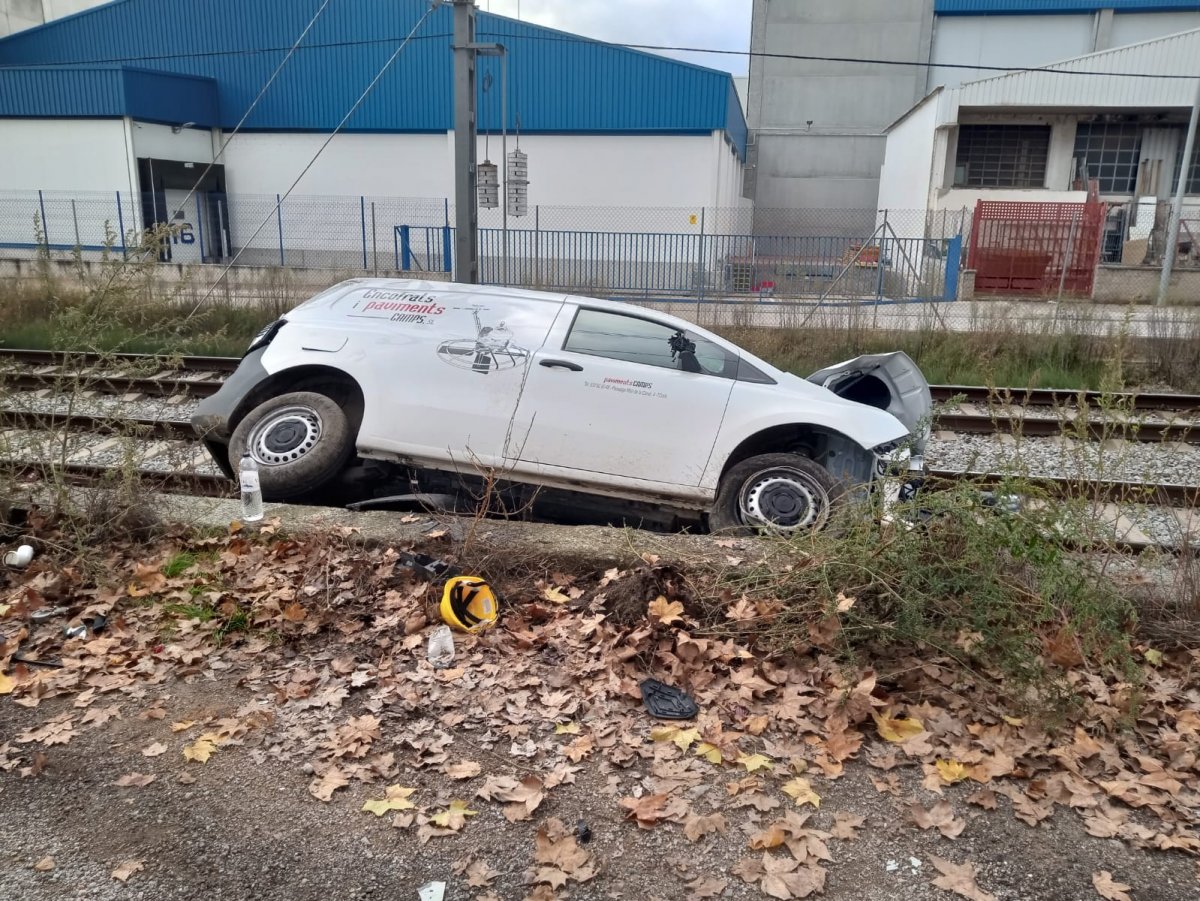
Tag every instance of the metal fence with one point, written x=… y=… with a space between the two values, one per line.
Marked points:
x=715 y=255
x=692 y=252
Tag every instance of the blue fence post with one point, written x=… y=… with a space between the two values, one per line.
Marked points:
x=121 y=226
x=362 y=209
x=279 y=220
x=200 y=228
x=406 y=247
x=396 y=246
x=45 y=224
x=953 y=261
x=447 y=248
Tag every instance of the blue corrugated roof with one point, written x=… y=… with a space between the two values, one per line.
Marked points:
x=1028 y=7
x=109 y=91
x=559 y=83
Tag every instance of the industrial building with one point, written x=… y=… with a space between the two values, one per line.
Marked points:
x=818 y=127
x=1049 y=135
x=134 y=97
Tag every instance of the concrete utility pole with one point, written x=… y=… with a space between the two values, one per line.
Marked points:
x=1177 y=207
x=466 y=209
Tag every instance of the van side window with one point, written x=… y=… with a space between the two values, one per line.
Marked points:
x=600 y=333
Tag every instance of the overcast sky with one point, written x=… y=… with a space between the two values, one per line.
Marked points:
x=720 y=24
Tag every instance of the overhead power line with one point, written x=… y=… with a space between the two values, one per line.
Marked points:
x=577 y=39
x=434 y=4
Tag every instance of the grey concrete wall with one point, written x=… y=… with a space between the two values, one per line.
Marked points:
x=1139 y=284
x=818 y=124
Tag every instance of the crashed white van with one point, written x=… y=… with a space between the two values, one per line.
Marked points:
x=377 y=387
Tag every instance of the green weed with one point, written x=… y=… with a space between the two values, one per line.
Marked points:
x=179 y=564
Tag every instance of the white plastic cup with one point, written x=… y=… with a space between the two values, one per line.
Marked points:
x=19 y=558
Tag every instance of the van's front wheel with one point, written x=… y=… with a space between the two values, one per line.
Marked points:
x=782 y=493
x=301 y=441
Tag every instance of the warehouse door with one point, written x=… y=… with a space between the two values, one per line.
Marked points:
x=200 y=222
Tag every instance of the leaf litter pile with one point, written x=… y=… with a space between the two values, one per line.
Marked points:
x=325 y=638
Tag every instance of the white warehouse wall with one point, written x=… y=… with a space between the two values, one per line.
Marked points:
x=82 y=160
x=159 y=142
x=64 y=155
x=906 y=179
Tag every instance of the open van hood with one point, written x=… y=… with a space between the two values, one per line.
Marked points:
x=891 y=382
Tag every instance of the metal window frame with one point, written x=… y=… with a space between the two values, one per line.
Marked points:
x=1001 y=155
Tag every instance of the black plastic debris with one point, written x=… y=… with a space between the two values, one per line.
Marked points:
x=583 y=832
x=430 y=567
x=665 y=702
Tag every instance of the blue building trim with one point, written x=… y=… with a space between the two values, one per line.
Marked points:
x=1056 y=7
x=559 y=83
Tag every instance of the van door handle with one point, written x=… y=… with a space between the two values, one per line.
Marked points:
x=561 y=364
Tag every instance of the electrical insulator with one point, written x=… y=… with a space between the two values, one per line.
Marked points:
x=518 y=184
x=487 y=180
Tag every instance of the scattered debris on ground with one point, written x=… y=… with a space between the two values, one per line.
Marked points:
x=255 y=716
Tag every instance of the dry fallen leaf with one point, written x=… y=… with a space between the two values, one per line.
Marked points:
x=681 y=738
x=45 y=865
x=646 y=810
x=1109 y=888
x=323 y=788
x=960 y=879
x=846 y=826
x=6 y=684
x=707 y=887
x=182 y=726
x=566 y=729
x=154 y=750
x=844 y=603
x=127 y=869
x=520 y=798
x=896 y=729
x=940 y=817
x=709 y=752
x=201 y=749
x=139 y=780
x=951 y=771
x=480 y=874
x=753 y=762
x=453 y=817
x=661 y=611
x=555 y=596
x=696 y=827
x=464 y=769
x=801 y=791
x=295 y=613
x=395 y=798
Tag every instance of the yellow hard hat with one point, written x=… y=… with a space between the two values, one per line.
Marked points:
x=469 y=604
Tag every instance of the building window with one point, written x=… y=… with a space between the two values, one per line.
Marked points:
x=1002 y=156
x=1109 y=153
x=1193 y=169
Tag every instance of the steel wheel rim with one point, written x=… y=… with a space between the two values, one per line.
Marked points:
x=285 y=435
x=783 y=499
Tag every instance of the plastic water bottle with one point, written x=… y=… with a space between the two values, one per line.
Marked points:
x=252 y=505
x=441 y=647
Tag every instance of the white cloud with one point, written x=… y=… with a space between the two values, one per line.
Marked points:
x=715 y=24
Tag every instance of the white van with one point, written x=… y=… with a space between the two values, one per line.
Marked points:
x=381 y=385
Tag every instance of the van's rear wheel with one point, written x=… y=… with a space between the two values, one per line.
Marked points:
x=783 y=493
x=301 y=441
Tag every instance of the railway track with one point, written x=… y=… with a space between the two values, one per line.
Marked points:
x=1008 y=411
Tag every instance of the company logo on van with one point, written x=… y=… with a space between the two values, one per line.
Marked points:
x=397 y=306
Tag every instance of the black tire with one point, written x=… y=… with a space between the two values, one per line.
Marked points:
x=782 y=493
x=301 y=441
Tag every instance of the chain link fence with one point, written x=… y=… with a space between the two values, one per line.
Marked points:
x=899 y=268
